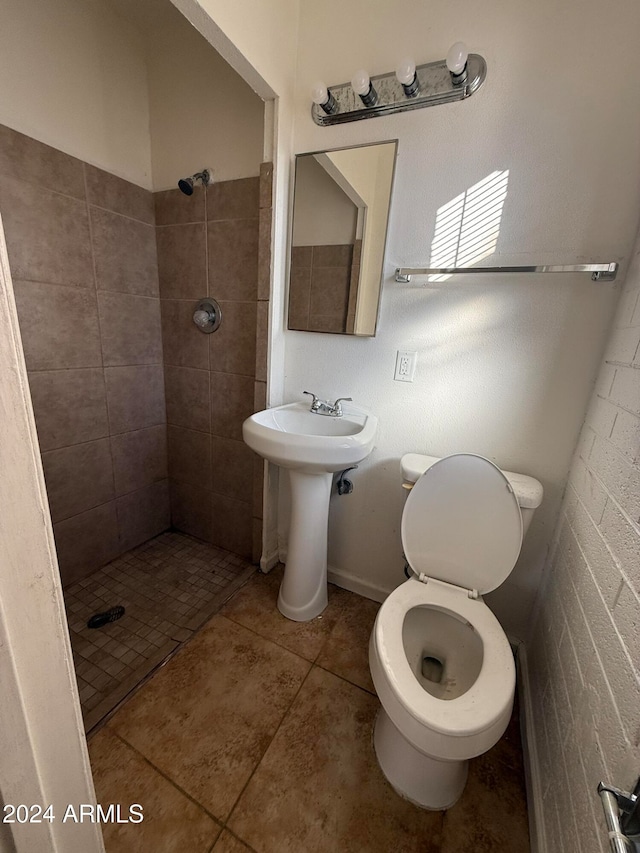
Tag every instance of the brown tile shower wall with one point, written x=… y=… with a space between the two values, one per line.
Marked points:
x=323 y=287
x=213 y=244
x=82 y=251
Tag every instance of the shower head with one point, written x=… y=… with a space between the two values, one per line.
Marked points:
x=186 y=184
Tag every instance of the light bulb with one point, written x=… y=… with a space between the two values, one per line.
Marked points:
x=361 y=82
x=319 y=94
x=362 y=85
x=457 y=58
x=406 y=74
x=406 y=71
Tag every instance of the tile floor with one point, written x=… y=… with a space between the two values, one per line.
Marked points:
x=169 y=586
x=256 y=736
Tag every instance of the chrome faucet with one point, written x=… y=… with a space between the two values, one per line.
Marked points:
x=324 y=407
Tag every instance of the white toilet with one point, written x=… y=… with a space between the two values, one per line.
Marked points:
x=441 y=664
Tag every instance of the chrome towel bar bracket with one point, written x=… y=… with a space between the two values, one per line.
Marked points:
x=622 y=816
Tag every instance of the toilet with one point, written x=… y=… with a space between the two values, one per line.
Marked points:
x=440 y=661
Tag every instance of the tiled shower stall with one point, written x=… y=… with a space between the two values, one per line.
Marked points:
x=138 y=413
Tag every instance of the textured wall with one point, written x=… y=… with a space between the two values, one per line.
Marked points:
x=73 y=75
x=208 y=244
x=82 y=250
x=505 y=364
x=202 y=114
x=585 y=653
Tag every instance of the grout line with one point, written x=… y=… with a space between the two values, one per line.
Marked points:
x=99 y=325
x=78 y=288
x=189 y=299
x=109 y=290
x=347 y=680
x=229 y=616
x=102 y=367
x=103 y=437
x=273 y=736
x=625 y=364
x=117 y=212
x=237 y=837
x=286 y=648
x=178 y=224
x=616 y=405
x=187 y=367
x=39 y=185
x=164 y=776
x=114 y=499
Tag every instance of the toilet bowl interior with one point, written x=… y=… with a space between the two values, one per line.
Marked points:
x=444 y=651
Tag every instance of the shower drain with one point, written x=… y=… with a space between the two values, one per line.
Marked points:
x=100 y=619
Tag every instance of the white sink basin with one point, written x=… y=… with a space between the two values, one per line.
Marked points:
x=294 y=437
x=312 y=447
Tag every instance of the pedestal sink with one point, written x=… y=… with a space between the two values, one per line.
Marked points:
x=312 y=447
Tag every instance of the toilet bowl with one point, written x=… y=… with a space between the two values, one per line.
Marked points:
x=440 y=661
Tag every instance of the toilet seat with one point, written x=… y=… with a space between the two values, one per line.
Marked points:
x=489 y=697
x=462 y=523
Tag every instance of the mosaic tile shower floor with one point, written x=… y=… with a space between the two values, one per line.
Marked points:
x=169 y=586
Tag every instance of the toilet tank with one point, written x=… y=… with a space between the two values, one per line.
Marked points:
x=527 y=490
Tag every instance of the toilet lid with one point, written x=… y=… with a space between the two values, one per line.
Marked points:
x=462 y=523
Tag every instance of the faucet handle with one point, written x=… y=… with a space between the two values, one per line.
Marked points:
x=315 y=402
x=337 y=408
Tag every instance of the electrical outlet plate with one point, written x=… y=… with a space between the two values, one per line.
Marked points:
x=405 y=365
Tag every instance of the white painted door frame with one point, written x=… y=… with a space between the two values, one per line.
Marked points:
x=43 y=750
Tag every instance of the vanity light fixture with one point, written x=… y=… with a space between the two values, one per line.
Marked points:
x=455 y=78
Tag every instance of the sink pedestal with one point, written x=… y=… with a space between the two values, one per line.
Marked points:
x=303 y=592
x=312 y=447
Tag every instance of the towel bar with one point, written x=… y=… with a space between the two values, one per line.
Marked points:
x=599 y=272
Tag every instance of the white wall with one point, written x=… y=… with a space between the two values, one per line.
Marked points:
x=317 y=193
x=585 y=655
x=505 y=364
x=72 y=75
x=258 y=39
x=370 y=171
x=202 y=114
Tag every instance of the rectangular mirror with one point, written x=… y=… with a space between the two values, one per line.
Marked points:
x=340 y=213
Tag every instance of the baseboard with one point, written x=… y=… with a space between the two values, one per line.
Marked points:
x=356 y=584
x=533 y=779
x=345 y=580
x=268 y=561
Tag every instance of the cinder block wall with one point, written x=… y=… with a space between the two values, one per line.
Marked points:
x=585 y=653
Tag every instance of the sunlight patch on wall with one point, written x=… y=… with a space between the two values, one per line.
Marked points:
x=467 y=227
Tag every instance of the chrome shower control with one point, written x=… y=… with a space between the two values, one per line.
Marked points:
x=207 y=315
